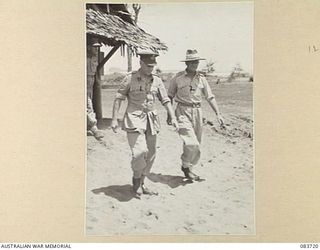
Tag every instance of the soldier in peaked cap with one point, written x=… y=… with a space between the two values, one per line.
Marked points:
x=141 y=88
x=187 y=88
x=147 y=52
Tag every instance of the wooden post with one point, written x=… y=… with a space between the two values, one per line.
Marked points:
x=104 y=60
x=101 y=56
x=97 y=99
x=129 y=53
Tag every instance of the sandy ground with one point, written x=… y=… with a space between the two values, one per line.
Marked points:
x=221 y=203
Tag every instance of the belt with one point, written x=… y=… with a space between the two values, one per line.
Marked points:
x=193 y=105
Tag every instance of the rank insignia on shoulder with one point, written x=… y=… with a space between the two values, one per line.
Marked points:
x=202 y=73
x=180 y=73
x=132 y=72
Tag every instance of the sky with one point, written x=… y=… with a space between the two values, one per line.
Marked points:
x=221 y=32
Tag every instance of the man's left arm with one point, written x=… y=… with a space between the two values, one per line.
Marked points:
x=168 y=115
x=214 y=105
x=166 y=102
x=212 y=100
x=171 y=115
x=172 y=90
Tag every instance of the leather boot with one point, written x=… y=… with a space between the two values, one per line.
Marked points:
x=145 y=190
x=189 y=174
x=136 y=184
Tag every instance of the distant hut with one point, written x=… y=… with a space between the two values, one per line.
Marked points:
x=238 y=74
x=111 y=25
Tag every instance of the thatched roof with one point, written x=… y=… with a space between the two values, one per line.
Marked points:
x=120 y=10
x=111 y=30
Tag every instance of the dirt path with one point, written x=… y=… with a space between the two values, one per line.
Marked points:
x=223 y=203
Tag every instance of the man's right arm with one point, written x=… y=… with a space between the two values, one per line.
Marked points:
x=120 y=96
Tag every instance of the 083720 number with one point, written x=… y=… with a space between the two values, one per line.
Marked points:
x=309 y=245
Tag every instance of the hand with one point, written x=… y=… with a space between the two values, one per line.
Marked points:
x=220 y=120
x=169 y=120
x=114 y=125
x=175 y=124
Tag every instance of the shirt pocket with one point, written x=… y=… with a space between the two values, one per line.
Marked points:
x=198 y=89
x=137 y=88
x=183 y=90
x=137 y=92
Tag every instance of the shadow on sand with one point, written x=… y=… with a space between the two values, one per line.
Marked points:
x=170 y=180
x=122 y=193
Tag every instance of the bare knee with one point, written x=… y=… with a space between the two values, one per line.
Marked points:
x=140 y=153
x=193 y=145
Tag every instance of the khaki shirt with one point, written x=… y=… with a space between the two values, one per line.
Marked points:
x=189 y=91
x=141 y=93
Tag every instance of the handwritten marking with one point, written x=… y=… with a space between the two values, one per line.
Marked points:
x=313 y=49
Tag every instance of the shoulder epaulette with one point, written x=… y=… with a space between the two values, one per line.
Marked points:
x=132 y=72
x=179 y=73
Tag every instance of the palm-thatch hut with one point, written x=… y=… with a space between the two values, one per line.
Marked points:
x=111 y=25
